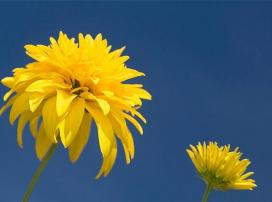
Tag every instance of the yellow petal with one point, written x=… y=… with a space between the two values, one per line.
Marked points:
x=98 y=37
x=104 y=105
x=134 y=122
x=130 y=144
x=108 y=161
x=104 y=128
x=88 y=96
x=118 y=131
x=64 y=100
x=40 y=86
x=72 y=121
x=120 y=128
x=128 y=74
x=35 y=99
x=8 y=81
x=36 y=52
x=19 y=105
x=50 y=118
x=111 y=159
x=135 y=89
x=42 y=144
x=8 y=94
x=95 y=80
x=81 y=139
x=8 y=104
x=21 y=124
x=33 y=124
x=108 y=93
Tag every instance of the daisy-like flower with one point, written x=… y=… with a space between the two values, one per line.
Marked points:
x=68 y=87
x=221 y=168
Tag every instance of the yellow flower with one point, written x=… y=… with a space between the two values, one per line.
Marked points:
x=221 y=168
x=69 y=86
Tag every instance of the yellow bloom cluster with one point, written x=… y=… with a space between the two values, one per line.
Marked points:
x=221 y=168
x=69 y=86
x=72 y=85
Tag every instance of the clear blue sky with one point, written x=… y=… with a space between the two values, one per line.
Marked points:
x=209 y=69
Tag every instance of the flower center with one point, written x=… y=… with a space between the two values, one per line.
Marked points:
x=75 y=84
x=76 y=88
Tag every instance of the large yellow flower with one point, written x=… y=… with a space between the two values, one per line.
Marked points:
x=69 y=86
x=221 y=168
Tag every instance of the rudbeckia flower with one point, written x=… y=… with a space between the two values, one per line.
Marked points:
x=221 y=168
x=68 y=87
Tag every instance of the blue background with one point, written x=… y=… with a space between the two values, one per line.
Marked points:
x=209 y=69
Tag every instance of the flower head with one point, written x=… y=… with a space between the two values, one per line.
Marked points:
x=220 y=167
x=69 y=86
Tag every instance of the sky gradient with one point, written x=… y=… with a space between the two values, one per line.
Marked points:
x=209 y=69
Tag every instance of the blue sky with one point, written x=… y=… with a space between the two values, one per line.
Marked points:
x=209 y=69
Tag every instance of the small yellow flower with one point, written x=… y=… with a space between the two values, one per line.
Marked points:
x=69 y=86
x=221 y=168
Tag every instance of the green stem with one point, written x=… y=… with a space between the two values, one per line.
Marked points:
x=38 y=172
x=207 y=192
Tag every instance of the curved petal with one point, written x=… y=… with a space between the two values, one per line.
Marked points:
x=37 y=52
x=8 y=94
x=64 y=100
x=121 y=134
x=108 y=161
x=35 y=99
x=21 y=124
x=50 y=118
x=104 y=105
x=41 y=86
x=134 y=122
x=104 y=128
x=8 y=81
x=81 y=139
x=43 y=143
x=33 y=124
x=20 y=105
x=69 y=126
x=8 y=104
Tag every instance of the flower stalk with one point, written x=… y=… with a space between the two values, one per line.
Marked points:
x=208 y=190
x=38 y=172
